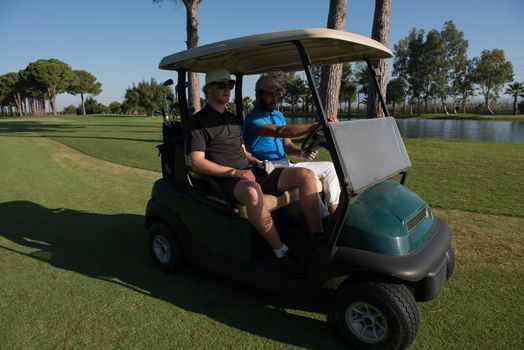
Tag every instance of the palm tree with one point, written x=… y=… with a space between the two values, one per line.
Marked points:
x=516 y=89
x=192 y=42
x=331 y=75
x=380 y=33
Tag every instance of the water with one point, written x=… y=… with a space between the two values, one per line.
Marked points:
x=444 y=129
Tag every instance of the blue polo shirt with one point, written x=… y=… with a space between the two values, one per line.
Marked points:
x=263 y=147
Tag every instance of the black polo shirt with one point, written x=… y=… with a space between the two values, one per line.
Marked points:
x=219 y=135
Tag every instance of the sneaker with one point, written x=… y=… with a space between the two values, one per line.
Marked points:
x=291 y=265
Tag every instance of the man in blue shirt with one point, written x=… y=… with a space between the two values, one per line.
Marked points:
x=268 y=137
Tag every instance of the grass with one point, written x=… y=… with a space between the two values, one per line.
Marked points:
x=75 y=272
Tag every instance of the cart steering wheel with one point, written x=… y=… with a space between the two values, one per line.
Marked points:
x=315 y=140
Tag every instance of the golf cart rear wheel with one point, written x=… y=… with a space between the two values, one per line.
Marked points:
x=165 y=248
x=375 y=315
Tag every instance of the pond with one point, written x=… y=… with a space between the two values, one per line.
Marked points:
x=445 y=129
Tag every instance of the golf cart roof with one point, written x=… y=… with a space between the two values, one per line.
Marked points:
x=275 y=51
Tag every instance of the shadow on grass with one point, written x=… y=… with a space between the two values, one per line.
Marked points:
x=24 y=126
x=57 y=131
x=113 y=248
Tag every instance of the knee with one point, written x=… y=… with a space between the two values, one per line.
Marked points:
x=249 y=193
x=306 y=175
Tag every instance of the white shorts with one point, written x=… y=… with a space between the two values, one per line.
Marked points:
x=325 y=172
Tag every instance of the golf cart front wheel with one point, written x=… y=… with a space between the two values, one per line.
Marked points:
x=375 y=315
x=165 y=248
x=450 y=263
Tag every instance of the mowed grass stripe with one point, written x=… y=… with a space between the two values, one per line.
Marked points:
x=47 y=172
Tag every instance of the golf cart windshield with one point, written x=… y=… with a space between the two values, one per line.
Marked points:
x=371 y=150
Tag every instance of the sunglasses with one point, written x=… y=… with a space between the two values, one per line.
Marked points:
x=226 y=84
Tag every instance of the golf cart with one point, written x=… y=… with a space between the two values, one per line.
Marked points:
x=385 y=249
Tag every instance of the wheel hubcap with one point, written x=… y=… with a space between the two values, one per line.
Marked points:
x=366 y=322
x=161 y=248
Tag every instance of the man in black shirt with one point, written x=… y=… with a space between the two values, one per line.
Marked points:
x=215 y=147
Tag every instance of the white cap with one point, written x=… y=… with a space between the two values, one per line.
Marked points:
x=217 y=75
x=268 y=84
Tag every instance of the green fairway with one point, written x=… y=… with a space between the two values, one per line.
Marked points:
x=76 y=273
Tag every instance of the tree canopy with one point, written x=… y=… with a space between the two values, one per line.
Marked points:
x=84 y=83
x=28 y=90
x=434 y=66
x=145 y=97
x=491 y=72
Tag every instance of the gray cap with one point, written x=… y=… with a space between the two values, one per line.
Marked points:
x=268 y=84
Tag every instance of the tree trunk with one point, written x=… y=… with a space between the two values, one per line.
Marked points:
x=486 y=100
x=380 y=33
x=83 y=104
x=445 y=109
x=54 y=104
x=52 y=99
x=192 y=42
x=18 y=102
x=515 y=104
x=331 y=75
x=33 y=106
x=42 y=105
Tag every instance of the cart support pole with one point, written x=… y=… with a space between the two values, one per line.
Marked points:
x=239 y=102
x=182 y=97
x=306 y=62
x=377 y=87
x=344 y=198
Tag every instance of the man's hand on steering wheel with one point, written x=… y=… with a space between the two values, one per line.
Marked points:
x=312 y=143
x=309 y=156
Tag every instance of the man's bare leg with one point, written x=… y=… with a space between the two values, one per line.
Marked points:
x=249 y=194
x=305 y=181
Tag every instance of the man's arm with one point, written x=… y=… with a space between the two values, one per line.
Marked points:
x=286 y=131
x=250 y=157
x=200 y=164
x=290 y=148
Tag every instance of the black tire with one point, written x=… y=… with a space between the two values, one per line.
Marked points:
x=165 y=248
x=450 y=265
x=375 y=315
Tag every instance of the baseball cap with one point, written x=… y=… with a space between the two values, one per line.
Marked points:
x=268 y=84
x=218 y=75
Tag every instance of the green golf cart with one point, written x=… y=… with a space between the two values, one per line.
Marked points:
x=386 y=250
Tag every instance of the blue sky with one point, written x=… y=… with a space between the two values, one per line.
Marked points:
x=122 y=41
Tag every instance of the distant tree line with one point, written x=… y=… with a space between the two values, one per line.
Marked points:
x=435 y=67
x=27 y=91
x=430 y=71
